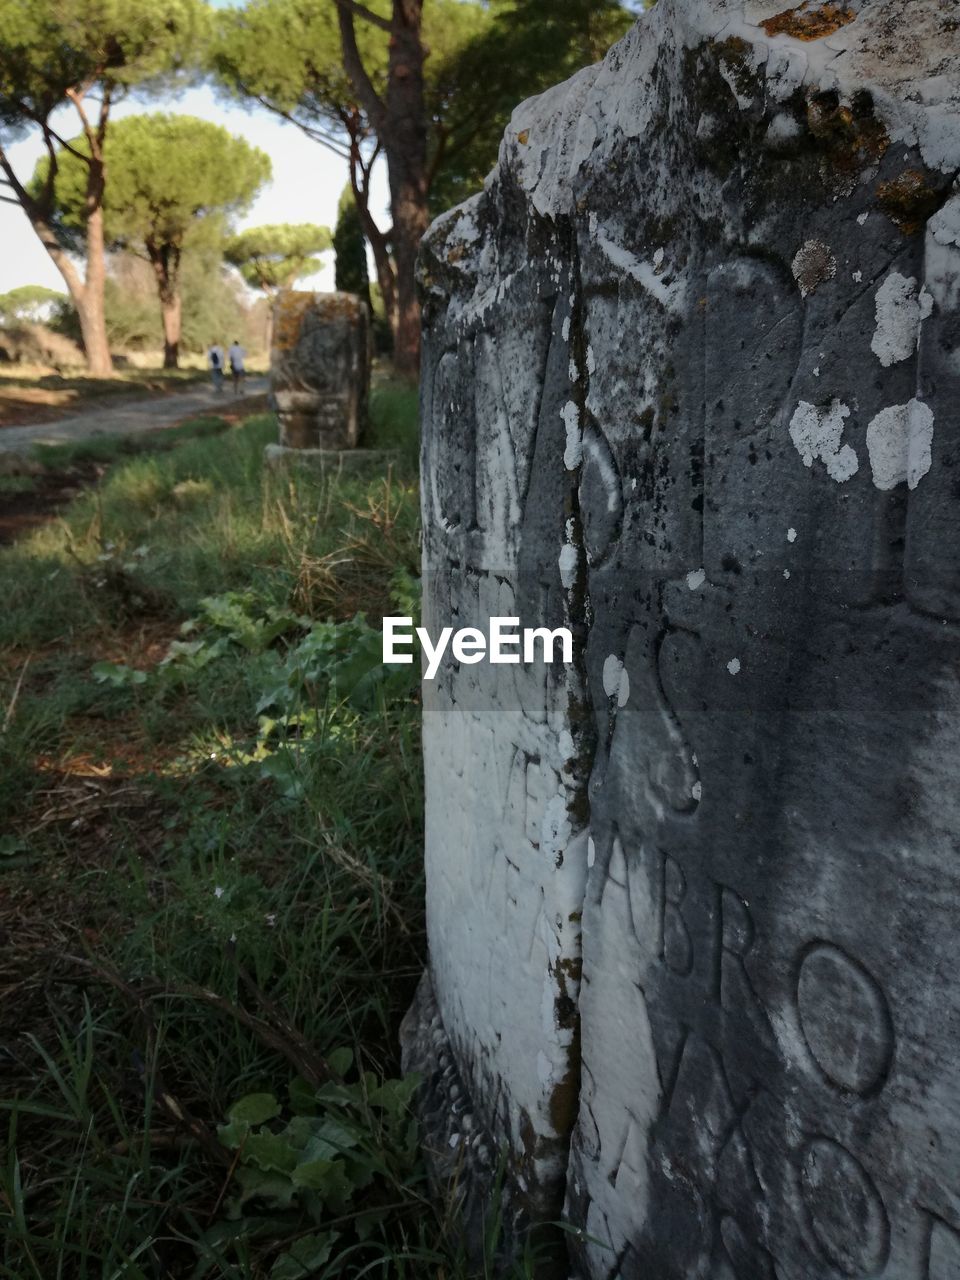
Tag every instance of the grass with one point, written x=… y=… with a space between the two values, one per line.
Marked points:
x=105 y=449
x=210 y=858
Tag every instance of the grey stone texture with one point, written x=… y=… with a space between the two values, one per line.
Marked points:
x=320 y=369
x=691 y=385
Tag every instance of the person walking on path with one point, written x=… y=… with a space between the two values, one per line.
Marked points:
x=236 y=356
x=215 y=360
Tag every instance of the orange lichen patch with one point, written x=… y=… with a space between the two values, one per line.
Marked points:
x=524 y=137
x=288 y=317
x=338 y=306
x=808 y=22
x=908 y=201
x=293 y=307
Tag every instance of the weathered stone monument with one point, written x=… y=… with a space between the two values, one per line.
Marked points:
x=320 y=369
x=691 y=387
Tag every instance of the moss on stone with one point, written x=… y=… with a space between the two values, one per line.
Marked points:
x=849 y=132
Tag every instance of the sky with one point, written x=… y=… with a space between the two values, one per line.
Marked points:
x=306 y=186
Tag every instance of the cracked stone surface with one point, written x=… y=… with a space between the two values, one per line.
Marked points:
x=691 y=386
x=320 y=369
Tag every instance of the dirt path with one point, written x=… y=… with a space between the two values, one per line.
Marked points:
x=128 y=419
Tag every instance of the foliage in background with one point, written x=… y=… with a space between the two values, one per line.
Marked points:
x=175 y=182
x=90 y=54
x=28 y=303
x=350 y=248
x=275 y=257
x=523 y=48
x=214 y=305
x=352 y=274
x=353 y=77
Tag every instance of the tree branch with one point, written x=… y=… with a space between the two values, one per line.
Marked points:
x=53 y=166
x=105 y=102
x=45 y=232
x=76 y=97
x=317 y=135
x=353 y=65
x=61 y=142
x=367 y=15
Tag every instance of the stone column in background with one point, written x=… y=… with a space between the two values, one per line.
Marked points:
x=692 y=383
x=320 y=369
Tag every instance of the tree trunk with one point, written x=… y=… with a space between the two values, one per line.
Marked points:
x=93 y=329
x=93 y=323
x=171 y=310
x=406 y=149
x=87 y=295
x=386 y=273
x=379 y=242
x=400 y=123
x=165 y=260
x=409 y=224
x=88 y=301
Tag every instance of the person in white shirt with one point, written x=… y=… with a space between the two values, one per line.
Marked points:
x=236 y=355
x=215 y=361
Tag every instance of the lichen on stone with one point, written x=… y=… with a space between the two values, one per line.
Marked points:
x=810 y=22
x=908 y=200
x=812 y=264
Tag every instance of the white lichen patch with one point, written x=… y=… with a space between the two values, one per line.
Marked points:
x=697 y=791
x=944 y=226
x=555 y=828
x=567 y=563
x=616 y=681
x=573 y=452
x=791 y=535
x=733 y=666
x=899 y=442
x=696 y=578
x=623 y=688
x=784 y=127
x=612 y=670
x=818 y=433
x=812 y=264
x=901 y=307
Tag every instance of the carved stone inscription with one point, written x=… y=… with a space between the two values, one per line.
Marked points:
x=692 y=385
